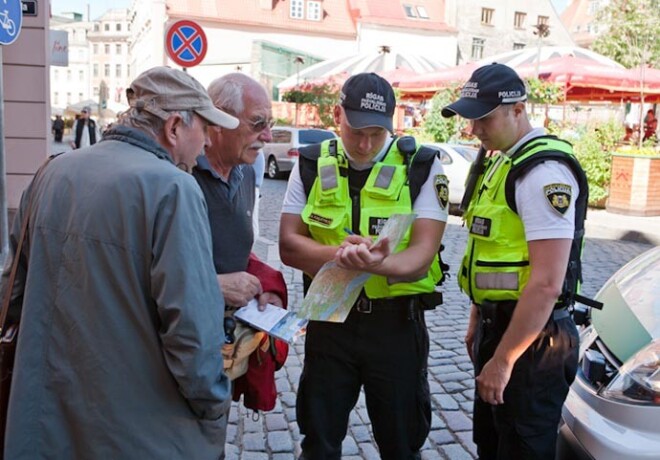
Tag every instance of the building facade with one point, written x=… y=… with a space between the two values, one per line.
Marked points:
x=109 y=58
x=489 y=27
x=581 y=20
x=71 y=84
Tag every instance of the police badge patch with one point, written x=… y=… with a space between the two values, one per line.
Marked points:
x=559 y=196
x=442 y=190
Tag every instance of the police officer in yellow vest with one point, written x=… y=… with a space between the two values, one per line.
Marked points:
x=357 y=182
x=521 y=269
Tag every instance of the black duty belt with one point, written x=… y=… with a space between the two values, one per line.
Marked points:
x=367 y=305
x=501 y=312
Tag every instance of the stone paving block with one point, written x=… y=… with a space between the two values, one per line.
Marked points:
x=451 y=376
x=467 y=406
x=453 y=387
x=295 y=431
x=288 y=399
x=232 y=430
x=231 y=452
x=456 y=420
x=249 y=455
x=369 y=452
x=280 y=441
x=349 y=446
x=456 y=452
x=254 y=442
x=436 y=421
x=252 y=425
x=441 y=437
x=445 y=402
x=276 y=422
x=466 y=440
x=290 y=414
x=438 y=354
x=361 y=433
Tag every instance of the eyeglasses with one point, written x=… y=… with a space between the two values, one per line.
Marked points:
x=260 y=124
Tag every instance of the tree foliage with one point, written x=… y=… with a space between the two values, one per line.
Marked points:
x=323 y=96
x=441 y=129
x=544 y=92
x=632 y=37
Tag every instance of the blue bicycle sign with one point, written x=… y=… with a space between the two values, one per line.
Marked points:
x=11 y=18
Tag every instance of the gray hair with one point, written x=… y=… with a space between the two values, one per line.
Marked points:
x=227 y=92
x=149 y=123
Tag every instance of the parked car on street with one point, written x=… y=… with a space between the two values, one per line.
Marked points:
x=456 y=160
x=282 y=152
x=613 y=408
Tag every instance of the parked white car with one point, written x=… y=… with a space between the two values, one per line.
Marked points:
x=613 y=408
x=282 y=152
x=456 y=160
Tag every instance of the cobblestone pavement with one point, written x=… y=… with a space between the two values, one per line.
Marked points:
x=275 y=435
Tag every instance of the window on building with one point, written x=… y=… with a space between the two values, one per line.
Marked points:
x=68 y=75
x=410 y=11
x=118 y=48
x=296 y=8
x=118 y=70
x=95 y=91
x=106 y=27
x=594 y=6
x=95 y=70
x=118 y=27
x=487 y=15
x=106 y=70
x=68 y=98
x=107 y=48
x=519 y=20
x=518 y=46
x=128 y=70
x=80 y=96
x=56 y=74
x=96 y=27
x=128 y=26
x=421 y=12
x=594 y=29
x=56 y=98
x=542 y=20
x=95 y=48
x=314 y=10
x=577 y=28
x=81 y=75
x=478 y=48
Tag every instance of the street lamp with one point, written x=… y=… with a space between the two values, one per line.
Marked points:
x=298 y=60
x=542 y=30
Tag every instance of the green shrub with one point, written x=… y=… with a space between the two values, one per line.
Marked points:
x=437 y=127
x=594 y=151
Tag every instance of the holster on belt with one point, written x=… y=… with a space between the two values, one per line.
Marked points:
x=430 y=300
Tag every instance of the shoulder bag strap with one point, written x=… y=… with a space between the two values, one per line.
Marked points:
x=17 y=254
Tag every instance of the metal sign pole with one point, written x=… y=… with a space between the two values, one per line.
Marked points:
x=4 y=234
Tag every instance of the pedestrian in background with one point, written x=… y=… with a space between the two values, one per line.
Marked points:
x=121 y=315
x=58 y=128
x=357 y=183
x=85 y=131
x=521 y=270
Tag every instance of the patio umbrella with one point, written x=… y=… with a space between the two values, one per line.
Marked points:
x=383 y=63
x=591 y=80
x=528 y=56
x=427 y=84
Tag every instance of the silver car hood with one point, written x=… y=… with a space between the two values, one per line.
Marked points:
x=630 y=318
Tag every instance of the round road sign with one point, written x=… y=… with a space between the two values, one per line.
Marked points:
x=186 y=43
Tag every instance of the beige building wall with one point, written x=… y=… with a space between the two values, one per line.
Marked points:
x=26 y=93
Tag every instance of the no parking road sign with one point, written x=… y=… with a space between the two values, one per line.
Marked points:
x=11 y=18
x=186 y=43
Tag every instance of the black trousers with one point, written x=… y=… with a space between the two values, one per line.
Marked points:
x=525 y=426
x=385 y=351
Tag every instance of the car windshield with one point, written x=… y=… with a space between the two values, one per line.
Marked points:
x=468 y=153
x=314 y=136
